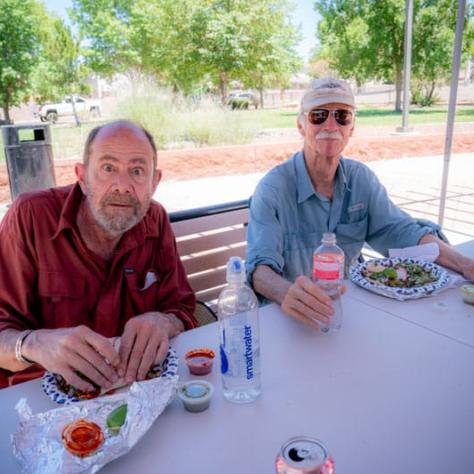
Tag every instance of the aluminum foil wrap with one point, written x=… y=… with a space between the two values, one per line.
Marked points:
x=38 y=443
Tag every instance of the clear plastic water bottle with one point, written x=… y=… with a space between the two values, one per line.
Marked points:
x=328 y=273
x=239 y=337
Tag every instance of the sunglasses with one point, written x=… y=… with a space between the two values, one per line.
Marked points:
x=319 y=116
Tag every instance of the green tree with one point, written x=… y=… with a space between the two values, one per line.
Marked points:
x=167 y=37
x=468 y=45
x=60 y=70
x=365 y=39
x=273 y=58
x=185 y=43
x=249 y=41
x=19 y=49
x=106 y=26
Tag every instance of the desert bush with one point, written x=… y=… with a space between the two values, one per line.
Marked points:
x=423 y=93
x=177 y=121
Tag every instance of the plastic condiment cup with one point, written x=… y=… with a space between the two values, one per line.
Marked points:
x=468 y=293
x=196 y=395
x=199 y=361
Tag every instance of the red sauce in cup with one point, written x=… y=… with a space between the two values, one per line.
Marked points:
x=200 y=361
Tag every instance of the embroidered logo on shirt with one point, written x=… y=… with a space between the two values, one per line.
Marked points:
x=356 y=207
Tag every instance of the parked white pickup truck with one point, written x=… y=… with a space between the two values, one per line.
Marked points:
x=51 y=112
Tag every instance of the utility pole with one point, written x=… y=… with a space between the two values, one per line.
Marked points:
x=453 y=93
x=407 y=66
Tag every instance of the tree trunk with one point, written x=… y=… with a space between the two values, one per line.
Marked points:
x=74 y=111
x=6 y=113
x=223 y=79
x=468 y=73
x=260 y=92
x=398 y=89
x=431 y=93
x=6 y=105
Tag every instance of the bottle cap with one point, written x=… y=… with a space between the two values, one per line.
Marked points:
x=235 y=270
x=329 y=238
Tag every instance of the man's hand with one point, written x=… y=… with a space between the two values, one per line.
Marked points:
x=468 y=271
x=65 y=351
x=308 y=303
x=145 y=342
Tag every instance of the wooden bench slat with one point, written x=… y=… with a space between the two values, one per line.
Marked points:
x=212 y=260
x=206 y=239
x=205 y=223
x=210 y=295
x=200 y=242
x=210 y=279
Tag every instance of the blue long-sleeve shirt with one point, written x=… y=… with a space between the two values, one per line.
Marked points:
x=288 y=217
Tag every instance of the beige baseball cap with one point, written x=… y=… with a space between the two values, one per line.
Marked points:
x=327 y=91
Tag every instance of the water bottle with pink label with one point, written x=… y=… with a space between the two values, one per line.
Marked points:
x=328 y=273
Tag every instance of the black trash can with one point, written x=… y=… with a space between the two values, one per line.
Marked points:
x=29 y=157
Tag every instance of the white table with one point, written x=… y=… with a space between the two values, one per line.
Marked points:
x=385 y=395
x=444 y=313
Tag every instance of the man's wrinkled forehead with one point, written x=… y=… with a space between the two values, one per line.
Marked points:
x=120 y=134
x=117 y=131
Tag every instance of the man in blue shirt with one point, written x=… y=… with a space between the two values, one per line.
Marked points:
x=318 y=191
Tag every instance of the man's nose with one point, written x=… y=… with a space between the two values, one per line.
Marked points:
x=122 y=183
x=331 y=123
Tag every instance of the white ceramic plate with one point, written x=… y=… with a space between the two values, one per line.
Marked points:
x=441 y=275
x=51 y=382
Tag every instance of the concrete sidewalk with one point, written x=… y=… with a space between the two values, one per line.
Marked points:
x=413 y=183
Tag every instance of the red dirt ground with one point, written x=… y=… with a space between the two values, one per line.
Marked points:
x=367 y=144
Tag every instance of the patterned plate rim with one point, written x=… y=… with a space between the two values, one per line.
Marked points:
x=400 y=293
x=49 y=382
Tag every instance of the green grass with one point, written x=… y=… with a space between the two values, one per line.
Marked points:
x=234 y=126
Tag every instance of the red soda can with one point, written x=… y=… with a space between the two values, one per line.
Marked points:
x=304 y=455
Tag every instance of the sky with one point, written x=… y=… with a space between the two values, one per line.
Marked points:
x=303 y=15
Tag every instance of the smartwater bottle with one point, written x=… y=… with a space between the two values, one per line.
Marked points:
x=239 y=337
x=328 y=273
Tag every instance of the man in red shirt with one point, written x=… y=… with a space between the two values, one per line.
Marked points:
x=83 y=263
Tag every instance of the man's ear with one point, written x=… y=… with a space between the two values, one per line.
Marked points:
x=352 y=129
x=80 y=171
x=301 y=127
x=353 y=125
x=156 y=178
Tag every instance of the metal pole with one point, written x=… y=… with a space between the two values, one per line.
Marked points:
x=407 y=64
x=452 y=107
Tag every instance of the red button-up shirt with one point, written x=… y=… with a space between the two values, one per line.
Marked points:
x=50 y=279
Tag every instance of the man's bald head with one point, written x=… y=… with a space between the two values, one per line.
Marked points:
x=112 y=127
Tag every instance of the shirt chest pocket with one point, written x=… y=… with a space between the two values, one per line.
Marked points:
x=62 y=299
x=352 y=232
x=142 y=291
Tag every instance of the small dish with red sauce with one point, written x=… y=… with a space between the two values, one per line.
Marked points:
x=199 y=361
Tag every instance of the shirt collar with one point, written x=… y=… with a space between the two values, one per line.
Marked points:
x=67 y=219
x=303 y=181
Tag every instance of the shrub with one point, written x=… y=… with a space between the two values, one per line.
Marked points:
x=423 y=93
x=174 y=120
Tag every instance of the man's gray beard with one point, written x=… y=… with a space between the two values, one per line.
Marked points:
x=115 y=224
